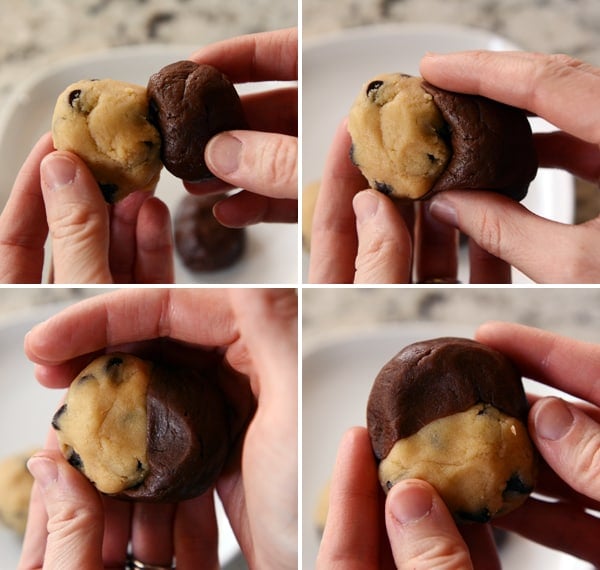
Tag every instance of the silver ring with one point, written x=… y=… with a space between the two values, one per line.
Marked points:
x=134 y=564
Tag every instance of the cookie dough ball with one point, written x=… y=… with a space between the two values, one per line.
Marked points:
x=398 y=136
x=15 y=490
x=310 y=193
x=105 y=122
x=453 y=412
x=412 y=140
x=191 y=103
x=144 y=431
x=202 y=242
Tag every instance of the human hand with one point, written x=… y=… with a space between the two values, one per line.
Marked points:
x=362 y=236
x=411 y=528
x=564 y=91
x=254 y=332
x=567 y=435
x=264 y=159
x=91 y=242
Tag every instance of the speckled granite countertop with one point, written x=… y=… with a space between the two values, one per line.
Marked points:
x=37 y=33
x=333 y=312
x=551 y=26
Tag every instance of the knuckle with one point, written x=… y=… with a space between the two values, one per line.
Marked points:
x=491 y=237
x=75 y=223
x=280 y=161
x=441 y=553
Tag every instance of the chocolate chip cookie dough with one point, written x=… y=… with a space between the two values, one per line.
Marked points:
x=411 y=140
x=105 y=122
x=144 y=431
x=453 y=412
x=15 y=490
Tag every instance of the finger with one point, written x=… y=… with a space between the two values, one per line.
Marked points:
x=154 y=239
x=254 y=57
x=562 y=150
x=384 y=245
x=23 y=227
x=263 y=163
x=507 y=230
x=131 y=315
x=117 y=522
x=208 y=186
x=334 y=241
x=245 y=209
x=569 y=441
x=152 y=533
x=273 y=111
x=557 y=361
x=422 y=532
x=36 y=535
x=351 y=536
x=537 y=82
x=123 y=224
x=196 y=534
x=436 y=248
x=75 y=518
x=78 y=220
x=565 y=528
x=268 y=327
x=487 y=268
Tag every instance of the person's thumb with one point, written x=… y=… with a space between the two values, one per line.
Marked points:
x=384 y=243
x=75 y=514
x=262 y=163
x=77 y=219
x=421 y=531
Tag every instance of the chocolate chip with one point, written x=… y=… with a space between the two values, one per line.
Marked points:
x=373 y=87
x=481 y=516
x=515 y=485
x=75 y=460
x=86 y=378
x=109 y=191
x=352 y=156
x=384 y=188
x=139 y=466
x=57 y=416
x=74 y=96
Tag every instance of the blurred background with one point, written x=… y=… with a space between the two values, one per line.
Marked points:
x=37 y=33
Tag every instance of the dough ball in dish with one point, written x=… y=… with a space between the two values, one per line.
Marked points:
x=190 y=103
x=411 y=140
x=144 y=431
x=453 y=412
x=105 y=122
x=202 y=242
x=15 y=491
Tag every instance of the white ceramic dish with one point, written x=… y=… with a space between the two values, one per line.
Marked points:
x=337 y=376
x=270 y=256
x=335 y=67
x=26 y=410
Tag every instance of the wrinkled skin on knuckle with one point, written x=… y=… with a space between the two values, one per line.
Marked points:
x=374 y=253
x=280 y=162
x=438 y=553
x=587 y=463
x=490 y=236
x=77 y=225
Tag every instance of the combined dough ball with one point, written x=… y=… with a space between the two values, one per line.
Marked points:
x=411 y=140
x=144 y=431
x=453 y=412
x=105 y=122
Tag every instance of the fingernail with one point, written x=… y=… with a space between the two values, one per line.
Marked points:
x=365 y=206
x=410 y=502
x=57 y=171
x=44 y=471
x=553 y=419
x=223 y=153
x=444 y=210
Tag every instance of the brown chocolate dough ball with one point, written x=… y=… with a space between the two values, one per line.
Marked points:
x=189 y=104
x=411 y=140
x=202 y=242
x=453 y=412
x=144 y=431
